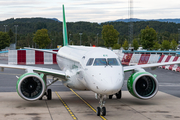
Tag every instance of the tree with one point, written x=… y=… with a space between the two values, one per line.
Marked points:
x=109 y=35
x=28 y=39
x=174 y=45
x=116 y=46
x=165 y=45
x=41 y=25
x=41 y=37
x=125 y=45
x=84 y=39
x=4 y=40
x=135 y=44
x=156 y=46
x=148 y=37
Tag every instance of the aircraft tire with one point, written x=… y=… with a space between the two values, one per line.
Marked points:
x=103 y=111
x=110 y=96
x=118 y=95
x=49 y=94
x=98 y=111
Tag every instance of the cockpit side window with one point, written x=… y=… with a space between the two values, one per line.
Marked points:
x=100 y=62
x=112 y=61
x=90 y=61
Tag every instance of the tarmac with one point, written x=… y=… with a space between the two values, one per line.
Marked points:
x=67 y=104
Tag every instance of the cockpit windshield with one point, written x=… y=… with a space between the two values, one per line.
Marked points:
x=100 y=62
x=103 y=62
x=90 y=61
x=112 y=61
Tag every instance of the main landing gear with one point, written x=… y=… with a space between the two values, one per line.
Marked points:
x=101 y=110
x=48 y=94
x=118 y=95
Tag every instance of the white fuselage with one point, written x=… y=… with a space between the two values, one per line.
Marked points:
x=91 y=68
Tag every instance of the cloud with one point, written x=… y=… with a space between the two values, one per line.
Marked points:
x=18 y=2
x=103 y=2
x=91 y=10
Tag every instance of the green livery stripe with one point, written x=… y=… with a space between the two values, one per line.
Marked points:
x=65 y=38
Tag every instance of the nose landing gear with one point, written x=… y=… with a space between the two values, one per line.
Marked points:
x=101 y=110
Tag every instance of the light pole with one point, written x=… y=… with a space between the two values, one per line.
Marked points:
x=5 y=27
x=16 y=34
x=97 y=38
x=131 y=21
x=80 y=37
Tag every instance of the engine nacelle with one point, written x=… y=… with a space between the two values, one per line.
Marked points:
x=142 y=85
x=31 y=86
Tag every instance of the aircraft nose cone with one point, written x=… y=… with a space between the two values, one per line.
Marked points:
x=111 y=86
x=108 y=81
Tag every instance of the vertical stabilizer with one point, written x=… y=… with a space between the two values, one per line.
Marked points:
x=65 y=38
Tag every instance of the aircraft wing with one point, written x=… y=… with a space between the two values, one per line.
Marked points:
x=130 y=68
x=54 y=52
x=46 y=71
x=48 y=51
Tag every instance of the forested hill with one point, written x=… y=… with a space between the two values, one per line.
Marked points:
x=177 y=20
x=28 y=26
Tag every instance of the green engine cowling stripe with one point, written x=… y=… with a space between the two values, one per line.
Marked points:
x=26 y=74
x=131 y=81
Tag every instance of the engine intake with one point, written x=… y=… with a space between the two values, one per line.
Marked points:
x=31 y=86
x=142 y=85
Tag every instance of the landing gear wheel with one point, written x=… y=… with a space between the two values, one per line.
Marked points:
x=110 y=96
x=98 y=111
x=118 y=95
x=103 y=111
x=49 y=94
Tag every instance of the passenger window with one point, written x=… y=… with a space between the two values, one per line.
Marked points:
x=112 y=61
x=90 y=61
x=100 y=62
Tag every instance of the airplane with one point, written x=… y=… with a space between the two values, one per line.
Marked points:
x=94 y=69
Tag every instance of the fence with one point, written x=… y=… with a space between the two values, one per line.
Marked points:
x=22 y=57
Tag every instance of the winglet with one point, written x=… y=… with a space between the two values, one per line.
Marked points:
x=65 y=38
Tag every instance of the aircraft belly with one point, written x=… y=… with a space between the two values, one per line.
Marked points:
x=75 y=83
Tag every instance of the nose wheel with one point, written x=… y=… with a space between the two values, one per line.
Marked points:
x=101 y=110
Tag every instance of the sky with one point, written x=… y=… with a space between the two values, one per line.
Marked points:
x=89 y=10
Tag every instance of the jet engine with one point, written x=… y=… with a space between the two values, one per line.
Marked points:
x=142 y=85
x=31 y=86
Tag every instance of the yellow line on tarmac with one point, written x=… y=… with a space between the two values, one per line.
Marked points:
x=67 y=108
x=87 y=103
